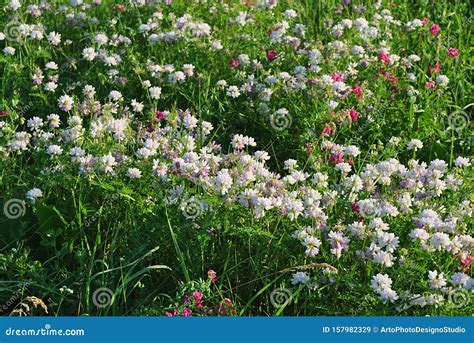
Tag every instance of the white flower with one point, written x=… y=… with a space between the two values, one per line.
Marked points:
x=351 y=150
x=459 y=279
x=50 y=87
x=134 y=173
x=241 y=141
x=65 y=102
x=54 y=150
x=388 y=295
x=380 y=282
x=290 y=164
x=14 y=5
x=216 y=45
x=54 y=38
x=462 y=162
x=289 y=14
x=394 y=140
x=440 y=241
x=54 y=120
x=243 y=59
x=384 y=258
x=9 y=51
x=343 y=167
x=77 y=152
x=115 y=96
x=415 y=144
x=299 y=277
x=107 y=163
x=51 y=66
x=223 y=181
x=188 y=69
x=442 y=80
x=101 y=39
x=89 y=54
x=233 y=92
x=33 y=194
x=155 y=92
x=34 y=123
x=312 y=246
x=221 y=83
x=437 y=281
x=137 y=106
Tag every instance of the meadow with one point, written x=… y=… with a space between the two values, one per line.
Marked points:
x=236 y=158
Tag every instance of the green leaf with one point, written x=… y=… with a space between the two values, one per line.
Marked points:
x=51 y=222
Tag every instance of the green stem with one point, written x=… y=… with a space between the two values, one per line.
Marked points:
x=178 y=250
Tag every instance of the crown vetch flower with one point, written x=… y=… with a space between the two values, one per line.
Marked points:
x=271 y=54
x=453 y=52
x=234 y=63
x=434 y=29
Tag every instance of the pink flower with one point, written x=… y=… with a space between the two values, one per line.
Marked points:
x=327 y=131
x=212 y=275
x=384 y=58
x=354 y=115
x=453 y=52
x=271 y=54
x=149 y=127
x=424 y=20
x=430 y=84
x=234 y=63
x=160 y=115
x=392 y=79
x=337 y=77
x=3 y=113
x=436 y=68
x=357 y=90
x=337 y=157
x=198 y=295
x=186 y=312
x=466 y=260
x=434 y=29
x=198 y=298
x=120 y=7
x=186 y=299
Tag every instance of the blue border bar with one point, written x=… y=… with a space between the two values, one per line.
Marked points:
x=238 y=329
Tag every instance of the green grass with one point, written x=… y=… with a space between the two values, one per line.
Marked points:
x=93 y=231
